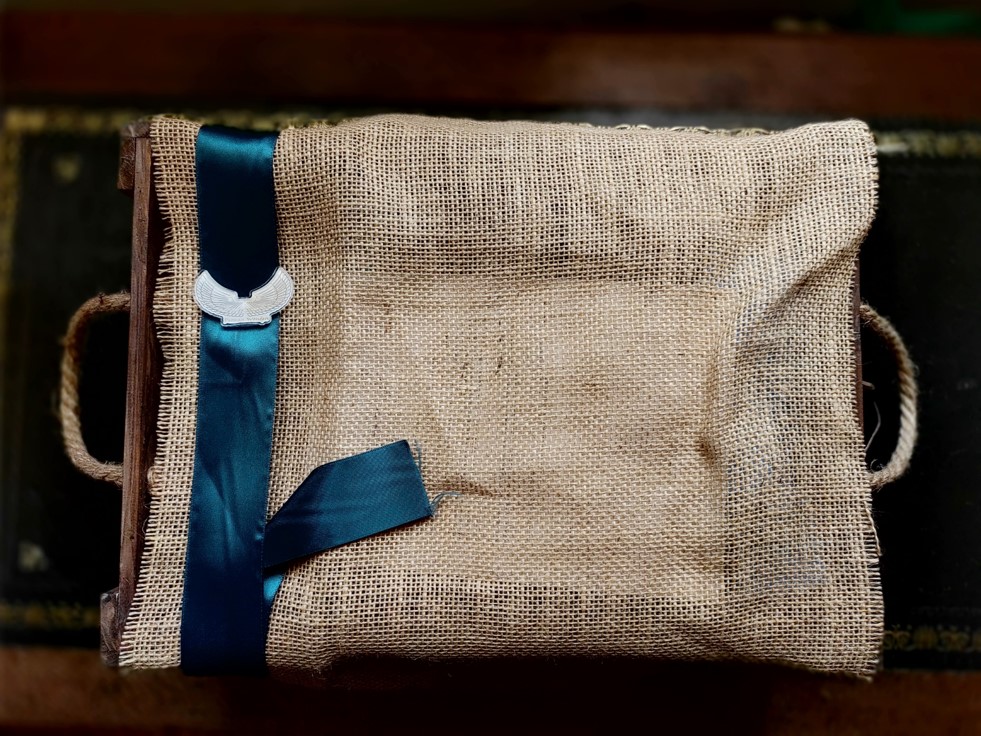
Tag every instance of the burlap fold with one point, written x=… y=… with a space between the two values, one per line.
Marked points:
x=630 y=351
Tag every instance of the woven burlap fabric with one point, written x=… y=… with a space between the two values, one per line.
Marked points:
x=631 y=352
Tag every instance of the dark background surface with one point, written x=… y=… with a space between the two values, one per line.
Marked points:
x=72 y=72
x=59 y=534
x=920 y=266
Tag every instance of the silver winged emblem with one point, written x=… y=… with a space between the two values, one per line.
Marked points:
x=234 y=310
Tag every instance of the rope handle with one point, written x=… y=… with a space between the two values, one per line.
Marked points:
x=78 y=329
x=908 y=391
x=71 y=424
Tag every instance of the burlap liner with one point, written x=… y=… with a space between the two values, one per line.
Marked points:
x=631 y=352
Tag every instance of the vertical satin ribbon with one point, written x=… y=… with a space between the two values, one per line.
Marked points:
x=223 y=623
x=235 y=561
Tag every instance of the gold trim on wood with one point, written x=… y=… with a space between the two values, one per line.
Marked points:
x=47 y=616
x=935 y=639
x=59 y=119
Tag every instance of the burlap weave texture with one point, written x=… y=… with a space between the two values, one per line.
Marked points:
x=631 y=352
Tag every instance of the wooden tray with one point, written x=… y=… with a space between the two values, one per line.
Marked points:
x=143 y=382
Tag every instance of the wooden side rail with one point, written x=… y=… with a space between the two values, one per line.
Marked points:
x=143 y=381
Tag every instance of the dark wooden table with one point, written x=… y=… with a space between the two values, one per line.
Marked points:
x=81 y=57
x=64 y=690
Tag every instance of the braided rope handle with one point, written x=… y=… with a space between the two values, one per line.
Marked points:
x=908 y=392
x=78 y=329
x=71 y=424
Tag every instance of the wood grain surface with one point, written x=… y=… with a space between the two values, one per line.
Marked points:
x=58 y=691
x=277 y=59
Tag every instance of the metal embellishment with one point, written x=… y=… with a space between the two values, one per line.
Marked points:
x=234 y=310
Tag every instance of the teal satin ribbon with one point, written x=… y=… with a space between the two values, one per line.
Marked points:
x=223 y=622
x=235 y=561
x=344 y=501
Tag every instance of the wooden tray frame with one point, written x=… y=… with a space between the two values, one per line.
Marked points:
x=142 y=383
x=143 y=379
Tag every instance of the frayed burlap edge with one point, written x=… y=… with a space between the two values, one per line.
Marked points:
x=173 y=418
